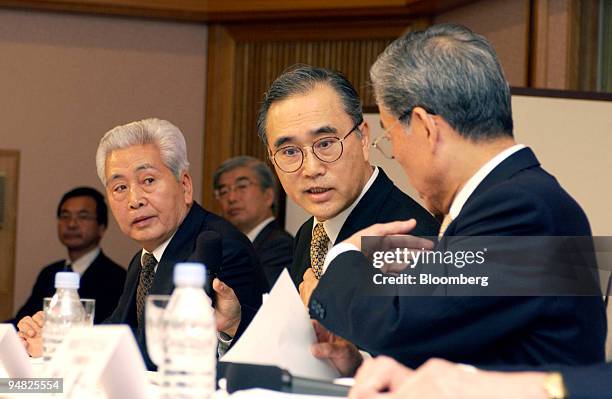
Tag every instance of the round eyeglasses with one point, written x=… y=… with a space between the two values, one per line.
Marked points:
x=327 y=149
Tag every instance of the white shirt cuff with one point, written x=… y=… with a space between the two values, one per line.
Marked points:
x=337 y=250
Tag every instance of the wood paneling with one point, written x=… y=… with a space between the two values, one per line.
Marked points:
x=9 y=174
x=245 y=59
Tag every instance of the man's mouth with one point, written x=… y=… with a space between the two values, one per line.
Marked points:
x=319 y=194
x=141 y=221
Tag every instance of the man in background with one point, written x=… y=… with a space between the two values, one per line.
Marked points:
x=246 y=190
x=82 y=219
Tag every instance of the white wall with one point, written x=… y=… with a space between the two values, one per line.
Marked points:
x=66 y=79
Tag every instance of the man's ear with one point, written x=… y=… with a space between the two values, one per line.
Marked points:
x=187 y=185
x=101 y=230
x=269 y=196
x=365 y=139
x=429 y=125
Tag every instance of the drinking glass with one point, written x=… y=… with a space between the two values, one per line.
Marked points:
x=154 y=329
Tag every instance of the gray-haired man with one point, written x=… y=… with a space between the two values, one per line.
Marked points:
x=246 y=190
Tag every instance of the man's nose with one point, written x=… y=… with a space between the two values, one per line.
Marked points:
x=312 y=166
x=136 y=198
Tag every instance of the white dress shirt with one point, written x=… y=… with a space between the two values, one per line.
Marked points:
x=252 y=235
x=334 y=225
x=82 y=264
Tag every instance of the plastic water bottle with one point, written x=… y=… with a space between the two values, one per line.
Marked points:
x=64 y=311
x=190 y=338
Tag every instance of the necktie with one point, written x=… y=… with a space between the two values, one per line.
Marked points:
x=68 y=267
x=318 y=249
x=445 y=222
x=147 y=274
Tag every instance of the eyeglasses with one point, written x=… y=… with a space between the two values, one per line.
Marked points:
x=327 y=149
x=239 y=187
x=383 y=142
x=81 y=217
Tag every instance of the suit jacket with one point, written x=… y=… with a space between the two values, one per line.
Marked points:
x=382 y=203
x=103 y=281
x=591 y=382
x=240 y=270
x=518 y=198
x=274 y=247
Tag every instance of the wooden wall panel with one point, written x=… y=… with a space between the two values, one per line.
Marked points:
x=9 y=176
x=254 y=62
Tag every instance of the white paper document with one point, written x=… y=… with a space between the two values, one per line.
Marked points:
x=281 y=335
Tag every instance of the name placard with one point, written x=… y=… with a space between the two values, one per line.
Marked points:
x=14 y=359
x=97 y=358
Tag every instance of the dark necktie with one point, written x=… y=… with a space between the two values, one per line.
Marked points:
x=147 y=274
x=318 y=249
x=67 y=267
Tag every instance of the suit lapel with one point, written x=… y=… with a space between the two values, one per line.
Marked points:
x=264 y=234
x=368 y=206
x=179 y=249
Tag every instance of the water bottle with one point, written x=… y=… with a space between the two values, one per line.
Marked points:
x=64 y=311
x=190 y=338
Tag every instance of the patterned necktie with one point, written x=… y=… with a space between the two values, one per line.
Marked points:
x=318 y=249
x=445 y=222
x=147 y=274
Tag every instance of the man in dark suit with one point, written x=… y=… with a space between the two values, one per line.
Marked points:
x=445 y=106
x=312 y=124
x=143 y=166
x=82 y=218
x=246 y=190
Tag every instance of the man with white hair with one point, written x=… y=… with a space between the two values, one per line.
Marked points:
x=445 y=107
x=144 y=169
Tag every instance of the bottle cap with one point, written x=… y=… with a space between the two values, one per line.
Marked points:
x=189 y=274
x=67 y=280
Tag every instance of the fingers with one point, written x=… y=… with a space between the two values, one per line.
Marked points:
x=223 y=290
x=39 y=318
x=307 y=286
x=376 y=376
x=28 y=327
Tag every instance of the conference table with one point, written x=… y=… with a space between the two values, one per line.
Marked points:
x=154 y=391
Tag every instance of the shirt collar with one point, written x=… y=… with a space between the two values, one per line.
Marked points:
x=252 y=235
x=157 y=252
x=474 y=181
x=334 y=225
x=80 y=265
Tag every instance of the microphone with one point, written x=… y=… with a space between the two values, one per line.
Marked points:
x=209 y=250
x=247 y=376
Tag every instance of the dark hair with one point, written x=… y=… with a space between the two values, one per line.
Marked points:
x=101 y=209
x=448 y=70
x=300 y=79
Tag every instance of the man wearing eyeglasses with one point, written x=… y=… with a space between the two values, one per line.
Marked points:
x=312 y=125
x=82 y=217
x=446 y=107
x=246 y=190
